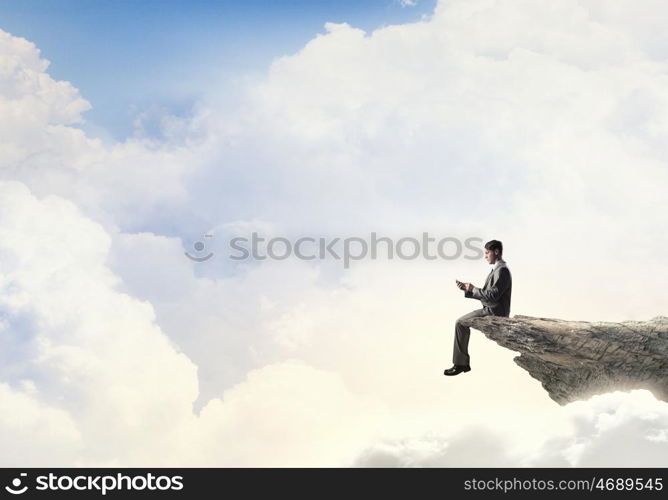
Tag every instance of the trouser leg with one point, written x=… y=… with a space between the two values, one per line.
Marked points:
x=460 y=352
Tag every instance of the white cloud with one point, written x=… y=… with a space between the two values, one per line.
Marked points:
x=611 y=430
x=615 y=430
x=288 y=414
x=34 y=433
x=539 y=124
x=86 y=349
x=105 y=386
x=119 y=185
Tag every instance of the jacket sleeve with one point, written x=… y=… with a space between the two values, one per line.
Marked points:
x=498 y=286
x=469 y=295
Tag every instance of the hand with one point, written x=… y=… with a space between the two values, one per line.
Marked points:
x=468 y=287
x=460 y=285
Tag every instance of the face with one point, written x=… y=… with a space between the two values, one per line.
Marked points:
x=491 y=256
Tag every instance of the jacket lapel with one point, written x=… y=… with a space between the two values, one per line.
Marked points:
x=489 y=278
x=500 y=263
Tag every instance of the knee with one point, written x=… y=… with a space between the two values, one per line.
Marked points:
x=462 y=318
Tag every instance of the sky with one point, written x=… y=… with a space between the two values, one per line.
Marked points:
x=127 y=137
x=129 y=55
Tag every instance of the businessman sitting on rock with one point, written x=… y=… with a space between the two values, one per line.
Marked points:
x=494 y=297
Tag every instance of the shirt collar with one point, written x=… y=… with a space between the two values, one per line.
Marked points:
x=496 y=264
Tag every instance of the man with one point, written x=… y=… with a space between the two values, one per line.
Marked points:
x=495 y=299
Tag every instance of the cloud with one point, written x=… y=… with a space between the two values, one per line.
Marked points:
x=32 y=430
x=120 y=184
x=611 y=430
x=86 y=350
x=616 y=430
x=102 y=384
x=423 y=126
x=288 y=414
x=536 y=124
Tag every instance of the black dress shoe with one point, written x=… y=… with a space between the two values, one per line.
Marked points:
x=457 y=369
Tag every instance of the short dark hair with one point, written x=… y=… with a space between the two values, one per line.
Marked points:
x=494 y=245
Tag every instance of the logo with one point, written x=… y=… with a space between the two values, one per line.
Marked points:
x=16 y=483
x=199 y=246
x=347 y=249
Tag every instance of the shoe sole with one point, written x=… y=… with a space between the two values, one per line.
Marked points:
x=453 y=374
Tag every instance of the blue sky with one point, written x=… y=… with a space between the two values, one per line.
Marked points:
x=127 y=56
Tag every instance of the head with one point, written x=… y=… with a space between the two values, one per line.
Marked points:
x=493 y=251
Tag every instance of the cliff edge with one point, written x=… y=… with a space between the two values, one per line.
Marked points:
x=577 y=359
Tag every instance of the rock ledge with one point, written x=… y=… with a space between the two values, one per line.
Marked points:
x=577 y=359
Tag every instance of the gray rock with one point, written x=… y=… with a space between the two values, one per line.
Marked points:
x=577 y=359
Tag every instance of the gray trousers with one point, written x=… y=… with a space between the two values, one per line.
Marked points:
x=460 y=352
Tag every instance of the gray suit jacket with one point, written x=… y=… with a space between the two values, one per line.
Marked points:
x=495 y=293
